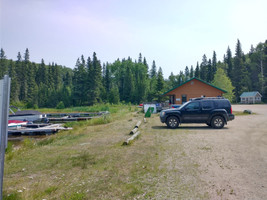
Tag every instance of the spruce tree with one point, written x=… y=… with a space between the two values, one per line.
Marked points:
x=14 y=88
x=128 y=88
x=187 y=73
x=229 y=62
x=3 y=64
x=140 y=58
x=153 y=71
x=239 y=72
x=203 y=68
x=160 y=84
x=214 y=65
x=209 y=72
x=191 y=74
x=197 y=71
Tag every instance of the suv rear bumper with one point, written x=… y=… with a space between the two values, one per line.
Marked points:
x=231 y=117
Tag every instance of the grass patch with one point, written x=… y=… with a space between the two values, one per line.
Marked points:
x=241 y=113
x=74 y=196
x=46 y=141
x=112 y=108
x=12 y=196
x=83 y=160
x=50 y=190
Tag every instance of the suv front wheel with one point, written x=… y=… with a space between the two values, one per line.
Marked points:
x=172 y=122
x=217 y=122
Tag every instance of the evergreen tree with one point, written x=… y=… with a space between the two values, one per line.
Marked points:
x=32 y=89
x=128 y=88
x=23 y=76
x=14 y=88
x=172 y=81
x=240 y=78
x=3 y=64
x=140 y=58
x=197 y=71
x=214 y=65
x=95 y=74
x=229 y=62
x=42 y=74
x=181 y=78
x=114 y=96
x=209 y=72
x=191 y=74
x=203 y=68
x=187 y=73
x=160 y=84
x=27 y=55
x=79 y=83
x=153 y=71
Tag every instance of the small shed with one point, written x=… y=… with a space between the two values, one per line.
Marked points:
x=250 y=97
x=193 y=88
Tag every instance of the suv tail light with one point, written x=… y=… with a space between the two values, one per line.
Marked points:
x=231 y=110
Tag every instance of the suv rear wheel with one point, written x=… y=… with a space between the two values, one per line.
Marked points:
x=217 y=122
x=172 y=122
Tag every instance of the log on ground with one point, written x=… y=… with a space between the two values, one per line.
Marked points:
x=129 y=140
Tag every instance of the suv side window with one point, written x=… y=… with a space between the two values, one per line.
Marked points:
x=192 y=106
x=207 y=105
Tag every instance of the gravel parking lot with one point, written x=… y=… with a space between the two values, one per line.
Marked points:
x=232 y=161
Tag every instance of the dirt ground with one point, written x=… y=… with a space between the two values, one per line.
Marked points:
x=231 y=162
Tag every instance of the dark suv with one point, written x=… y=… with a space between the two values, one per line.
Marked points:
x=215 y=112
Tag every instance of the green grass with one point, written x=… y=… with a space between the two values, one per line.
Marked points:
x=112 y=108
x=240 y=113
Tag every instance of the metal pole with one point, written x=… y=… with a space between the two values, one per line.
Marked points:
x=4 y=110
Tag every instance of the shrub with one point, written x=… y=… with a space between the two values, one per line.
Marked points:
x=60 y=105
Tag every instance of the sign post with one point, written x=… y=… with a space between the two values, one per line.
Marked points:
x=4 y=111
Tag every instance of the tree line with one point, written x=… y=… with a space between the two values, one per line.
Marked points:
x=91 y=82
x=241 y=72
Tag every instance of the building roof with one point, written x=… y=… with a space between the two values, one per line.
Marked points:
x=198 y=80
x=250 y=94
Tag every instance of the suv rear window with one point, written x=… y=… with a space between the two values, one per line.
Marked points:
x=222 y=103
x=207 y=105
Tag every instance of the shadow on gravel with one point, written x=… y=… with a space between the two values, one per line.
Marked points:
x=185 y=127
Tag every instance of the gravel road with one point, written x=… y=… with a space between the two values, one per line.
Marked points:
x=232 y=161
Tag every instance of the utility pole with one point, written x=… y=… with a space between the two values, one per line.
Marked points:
x=4 y=111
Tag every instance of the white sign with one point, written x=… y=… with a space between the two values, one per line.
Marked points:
x=178 y=99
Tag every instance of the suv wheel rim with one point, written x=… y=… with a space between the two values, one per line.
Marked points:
x=218 y=122
x=172 y=122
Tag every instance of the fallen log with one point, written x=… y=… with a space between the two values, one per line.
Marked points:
x=138 y=124
x=128 y=141
x=133 y=131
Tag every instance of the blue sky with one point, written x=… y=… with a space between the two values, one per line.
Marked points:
x=174 y=33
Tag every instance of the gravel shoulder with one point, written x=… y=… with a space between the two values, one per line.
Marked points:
x=231 y=162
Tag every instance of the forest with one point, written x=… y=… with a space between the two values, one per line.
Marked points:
x=37 y=85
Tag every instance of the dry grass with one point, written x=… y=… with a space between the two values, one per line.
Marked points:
x=90 y=162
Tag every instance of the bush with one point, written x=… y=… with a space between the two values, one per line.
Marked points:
x=60 y=105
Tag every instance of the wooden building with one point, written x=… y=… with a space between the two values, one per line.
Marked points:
x=193 y=88
x=250 y=97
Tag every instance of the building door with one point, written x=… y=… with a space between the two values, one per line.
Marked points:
x=184 y=98
x=172 y=99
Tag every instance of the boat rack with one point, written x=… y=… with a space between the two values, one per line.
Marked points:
x=70 y=117
x=37 y=129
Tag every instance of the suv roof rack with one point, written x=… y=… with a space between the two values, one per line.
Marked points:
x=201 y=98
